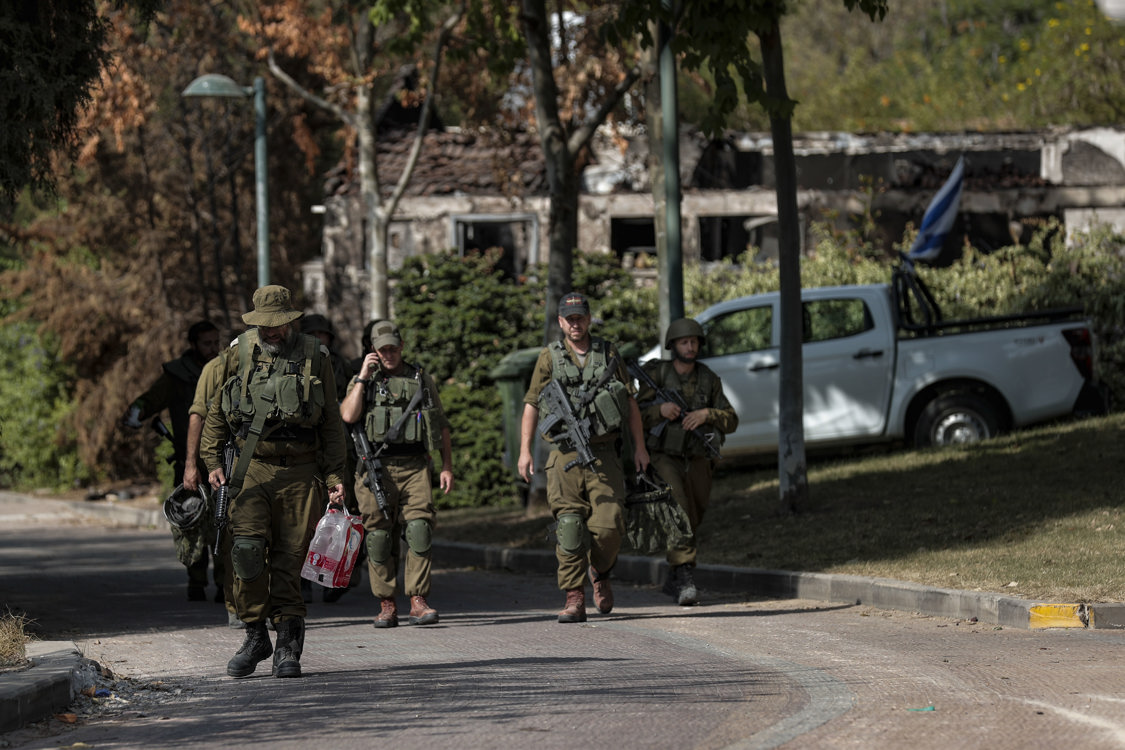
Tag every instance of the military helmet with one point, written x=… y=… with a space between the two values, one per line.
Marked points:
x=184 y=509
x=682 y=327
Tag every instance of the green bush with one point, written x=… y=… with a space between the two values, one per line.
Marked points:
x=460 y=316
x=35 y=448
x=480 y=476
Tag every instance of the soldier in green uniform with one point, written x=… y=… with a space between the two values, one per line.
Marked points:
x=174 y=390
x=397 y=406
x=678 y=454
x=586 y=502
x=277 y=404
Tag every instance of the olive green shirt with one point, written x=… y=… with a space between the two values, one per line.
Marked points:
x=210 y=381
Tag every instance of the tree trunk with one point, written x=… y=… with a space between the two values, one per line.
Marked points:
x=562 y=183
x=792 y=466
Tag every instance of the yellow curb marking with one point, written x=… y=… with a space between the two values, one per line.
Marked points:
x=1056 y=616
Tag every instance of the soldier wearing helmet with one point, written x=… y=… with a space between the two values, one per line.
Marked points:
x=678 y=454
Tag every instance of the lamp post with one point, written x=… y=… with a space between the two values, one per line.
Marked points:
x=214 y=84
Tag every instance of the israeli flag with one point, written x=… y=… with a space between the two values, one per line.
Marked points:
x=939 y=218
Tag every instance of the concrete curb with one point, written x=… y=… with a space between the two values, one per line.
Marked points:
x=884 y=593
x=45 y=687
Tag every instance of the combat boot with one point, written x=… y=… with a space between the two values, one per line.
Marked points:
x=575 y=609
x=254 y=649
x=290 y=644
x=603 y=592
x=687 y=593
x=422 y=613
x=388 y=614
x=672 y=582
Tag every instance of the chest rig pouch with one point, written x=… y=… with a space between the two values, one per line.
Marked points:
x=400 y=410
x=673 y=439
x=593 y=391
x=284 y=391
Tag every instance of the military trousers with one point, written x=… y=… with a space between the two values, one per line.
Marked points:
x=279 y=505
x=597 y=495
x=409 y=498
x=689 y=478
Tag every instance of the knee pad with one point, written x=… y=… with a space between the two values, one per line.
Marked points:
x=574 y=537
x=248 y=557
x=418 y=536
x=378 y=546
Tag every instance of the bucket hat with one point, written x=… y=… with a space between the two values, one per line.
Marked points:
x=273 y=306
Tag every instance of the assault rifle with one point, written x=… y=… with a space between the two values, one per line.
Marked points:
x=372 y=467
x=222 y=496
x=575 y=433
x=664 y=395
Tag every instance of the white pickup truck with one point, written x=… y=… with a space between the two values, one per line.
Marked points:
x=880 y=366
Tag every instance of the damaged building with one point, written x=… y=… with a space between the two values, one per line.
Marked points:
x=478 y=190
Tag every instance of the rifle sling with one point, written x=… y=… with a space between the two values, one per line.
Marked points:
x=263 y=399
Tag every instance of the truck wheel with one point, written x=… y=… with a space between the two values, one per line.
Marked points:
x=956 y=418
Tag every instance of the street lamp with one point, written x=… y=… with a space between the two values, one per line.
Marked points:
x=214 y=84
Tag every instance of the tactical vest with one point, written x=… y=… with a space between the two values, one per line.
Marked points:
x=389 y=398
x=605 y=404
x=674 y=440
x=285 y=392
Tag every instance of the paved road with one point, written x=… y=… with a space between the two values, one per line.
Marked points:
x=499 y=672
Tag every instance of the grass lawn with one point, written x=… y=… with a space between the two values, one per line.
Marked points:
x=1036 y=514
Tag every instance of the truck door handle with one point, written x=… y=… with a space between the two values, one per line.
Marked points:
x=758 y=367
x=867 y=353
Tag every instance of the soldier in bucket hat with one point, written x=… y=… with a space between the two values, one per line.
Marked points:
x=278 y=405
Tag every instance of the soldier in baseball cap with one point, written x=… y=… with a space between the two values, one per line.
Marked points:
x=573 y=303
x=384 y=333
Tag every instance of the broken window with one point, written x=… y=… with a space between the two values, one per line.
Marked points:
x=633 y=241
x=517 y=236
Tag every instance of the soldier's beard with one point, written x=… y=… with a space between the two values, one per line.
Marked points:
x=285 y=345
x=687 y=359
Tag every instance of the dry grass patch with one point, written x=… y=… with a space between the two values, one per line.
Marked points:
x=13 y=641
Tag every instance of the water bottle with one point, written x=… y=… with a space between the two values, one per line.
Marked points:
x=318 y=565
